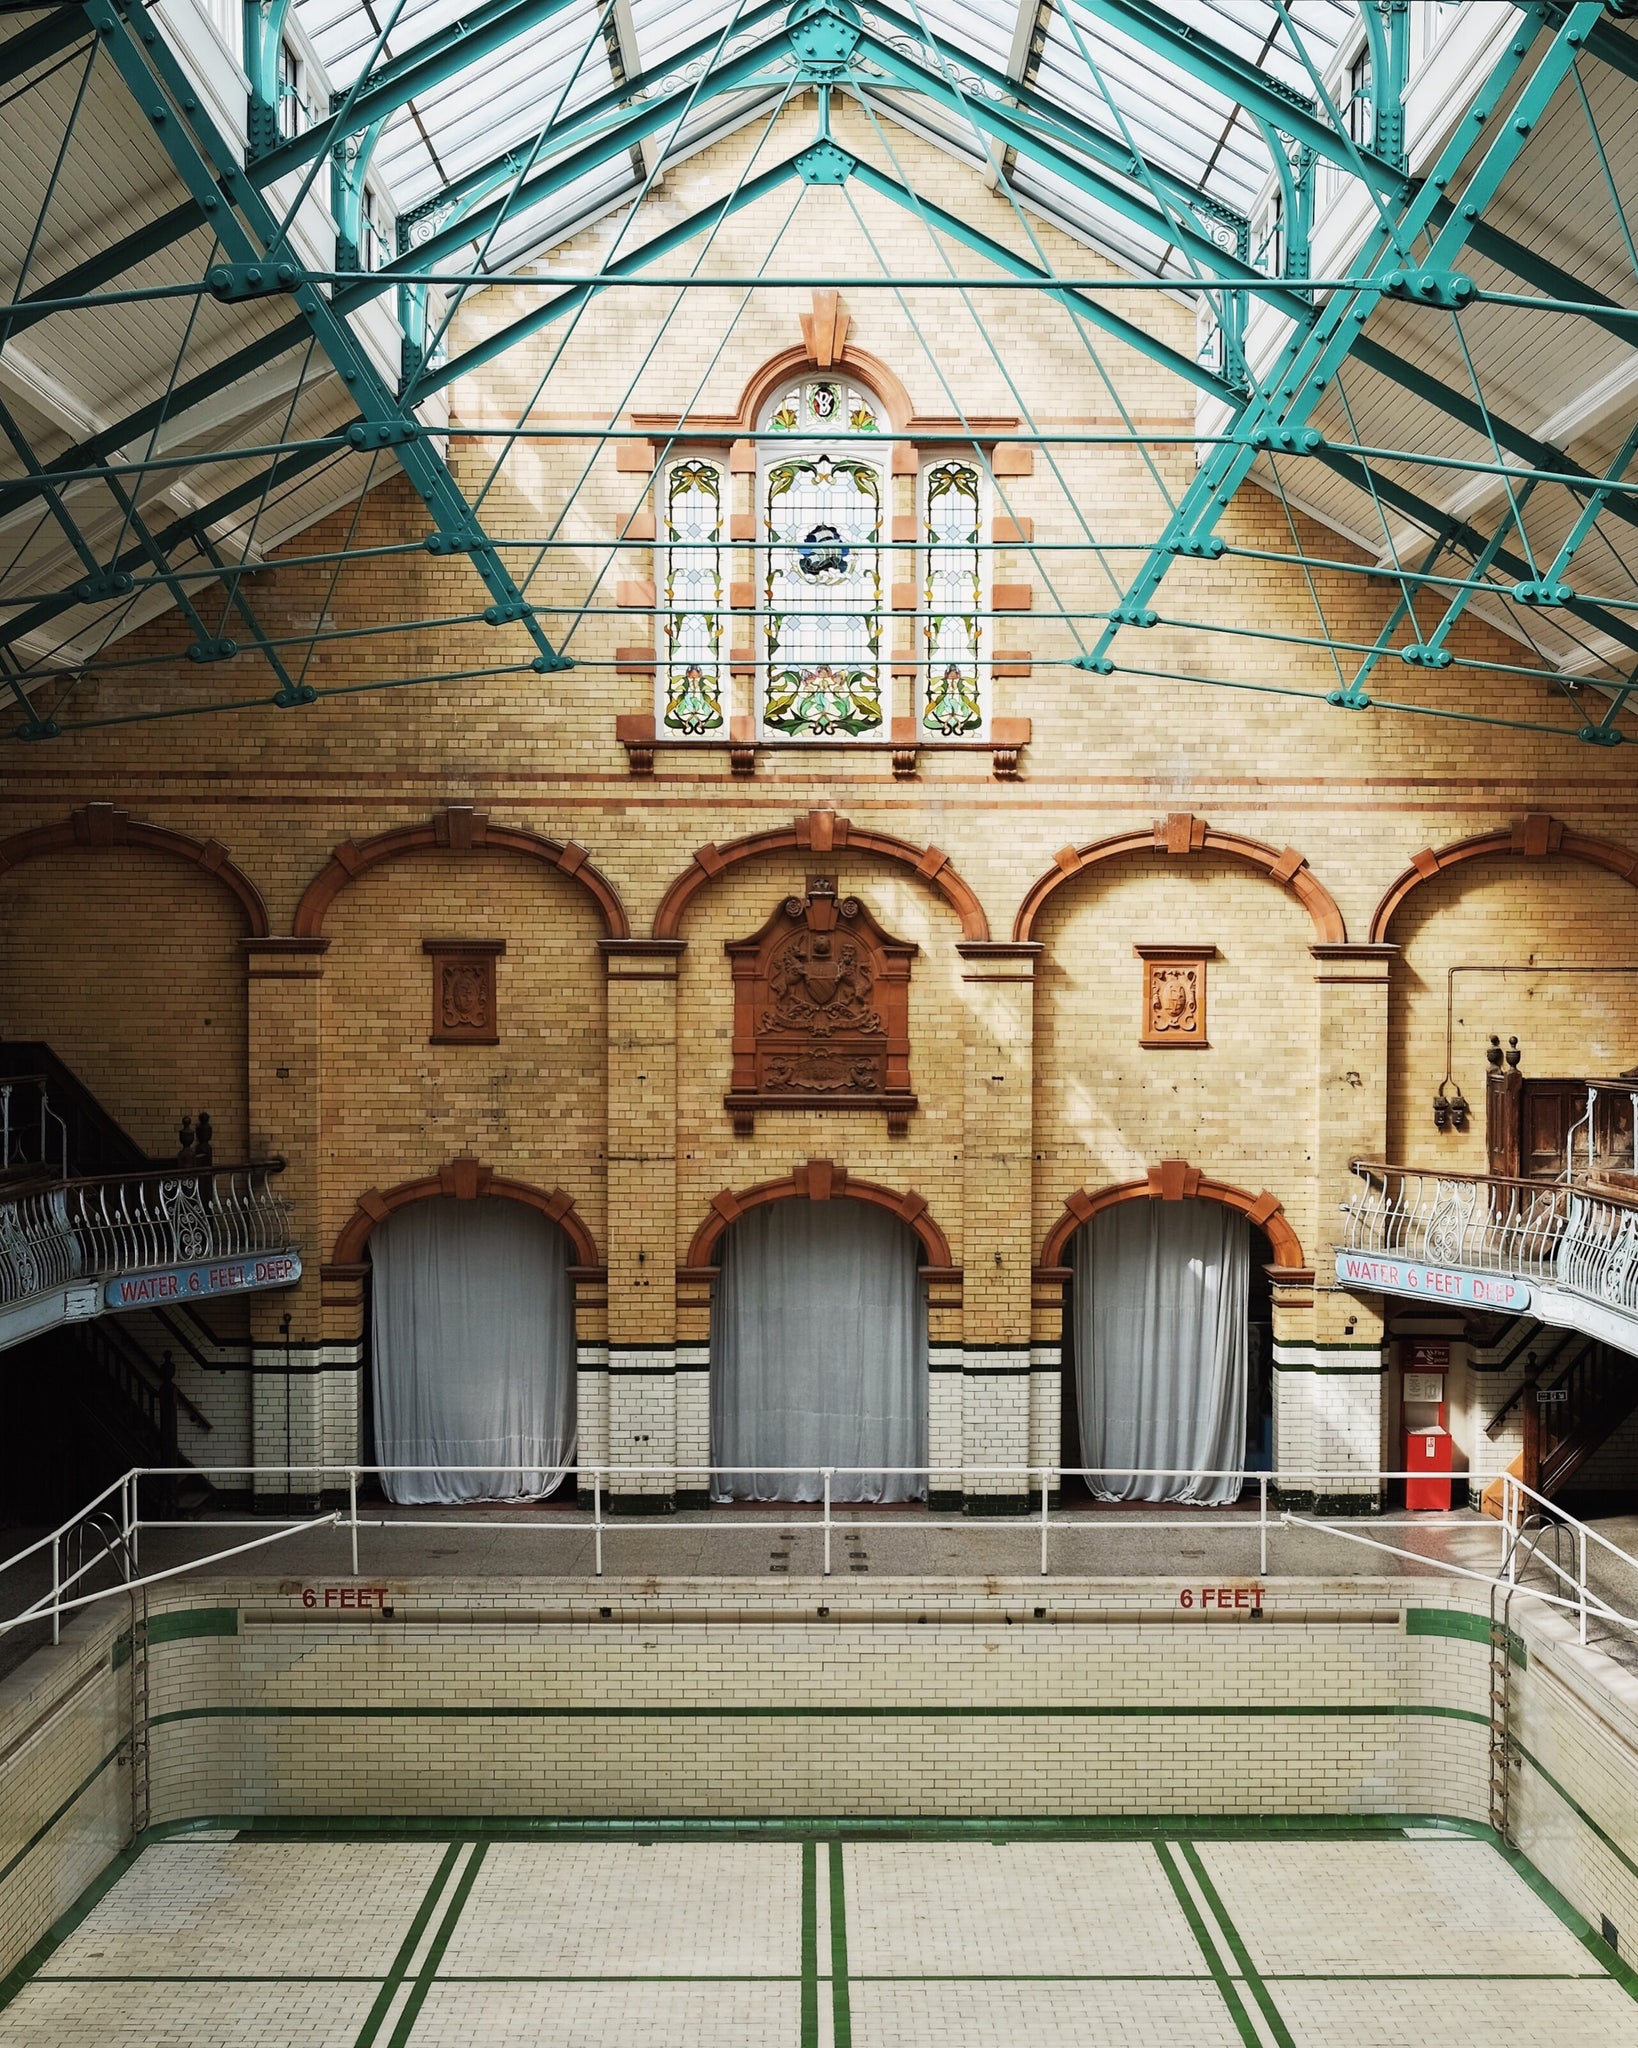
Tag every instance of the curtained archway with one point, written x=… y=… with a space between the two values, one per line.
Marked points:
x=472 y=1351
x=819 y=1354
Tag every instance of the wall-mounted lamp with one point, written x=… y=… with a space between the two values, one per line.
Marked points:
x=1450 y=1110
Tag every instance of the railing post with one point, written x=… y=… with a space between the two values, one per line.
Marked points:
x=827 y=1521
x=597 y=1519
x=1581 y=1545
x=56 y=1587
x=1046 y=1479
x=1513 y=1502
x=352 y=1511
x=1262 y=1525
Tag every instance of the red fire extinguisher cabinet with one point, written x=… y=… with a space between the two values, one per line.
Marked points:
x=1428 y=1459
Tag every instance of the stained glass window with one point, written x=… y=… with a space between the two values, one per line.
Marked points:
x=954 y=601
x=692 y=602
x=822 y=512
x=825 y=405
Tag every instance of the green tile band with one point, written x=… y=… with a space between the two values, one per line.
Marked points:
x=1145 y=1827
x=183 y=1623
x=810 y=1946
x=841 y=2005
x=1226 y=1988
x=54 y=1937
x=1227 y=1712
x=435 y=1951
x=1237 y=1948
x=1464 y=1627
x=377 y=2013
x=52 y=1819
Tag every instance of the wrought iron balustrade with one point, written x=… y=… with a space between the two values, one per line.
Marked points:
x=80 y=1232
x=1579 y=1238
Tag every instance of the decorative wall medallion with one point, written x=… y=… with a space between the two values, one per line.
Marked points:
x=463 y=990
x=1174 y=994
x=821 y=1012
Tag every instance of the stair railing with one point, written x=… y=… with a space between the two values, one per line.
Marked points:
x=1569 y=1591
x=102 y=1228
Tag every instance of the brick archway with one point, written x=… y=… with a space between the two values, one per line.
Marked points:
x=821 y=832
x=1183 y=834
x=765 y=381
x=101 y=825
x=467 y=1180
x=456 y=829
x=1175 y=1180
x=819 y=1181
x=1537 y=837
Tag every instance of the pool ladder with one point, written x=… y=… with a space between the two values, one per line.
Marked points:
x=1504 y=1758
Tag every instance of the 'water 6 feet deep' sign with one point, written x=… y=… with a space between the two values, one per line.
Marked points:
x=1432 y=1283
x=197 y=1283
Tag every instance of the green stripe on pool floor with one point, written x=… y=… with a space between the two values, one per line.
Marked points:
x=827 y=1985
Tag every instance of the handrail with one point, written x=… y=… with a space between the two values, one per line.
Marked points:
x=98 y=1229
x=176 y=1170
x=120 y=1340
x=1579 y=1239
x=1576 y=1594
x=1501 y=1180
x=180 y=1336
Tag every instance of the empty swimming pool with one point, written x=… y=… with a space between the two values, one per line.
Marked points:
x=665 y=1939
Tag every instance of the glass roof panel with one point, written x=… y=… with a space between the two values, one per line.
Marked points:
x=1185 y=129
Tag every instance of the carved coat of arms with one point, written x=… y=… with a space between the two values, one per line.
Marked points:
x=821 y=1012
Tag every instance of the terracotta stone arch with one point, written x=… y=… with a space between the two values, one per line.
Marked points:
x=798 y=361
x=821 y=832
x=819 y=353
x=1537 y=837
x=1173 y=1180
x=1182 y=834
x=100 y=825
x=456 y=829
x=467 y=1180
x=818 y=1181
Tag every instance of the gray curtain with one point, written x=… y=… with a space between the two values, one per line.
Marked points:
x=1159 y=1303
x=818 y=1353
x=472 y=1334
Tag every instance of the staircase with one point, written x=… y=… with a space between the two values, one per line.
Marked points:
x=1578 y=1394
x=96 y=1142
x=85 y=1403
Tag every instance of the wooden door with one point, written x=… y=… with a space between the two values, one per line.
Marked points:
x=1501 y=1122
x=1547 y=1112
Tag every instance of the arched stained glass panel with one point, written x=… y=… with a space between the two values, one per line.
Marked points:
x=954 y=603
x=825 y=405
x=692 y=602
x=822 y=595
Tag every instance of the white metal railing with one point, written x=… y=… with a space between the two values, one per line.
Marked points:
x=98 y=1230
x=1580 y=1239
x=118 y=1521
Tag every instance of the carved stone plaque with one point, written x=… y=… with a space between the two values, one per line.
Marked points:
x=463 y=990
x=1174 y=995
x=821 y=1012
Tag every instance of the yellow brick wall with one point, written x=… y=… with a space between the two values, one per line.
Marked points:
x=709 y=1156
x=1241 y=1109
x=117 y=957
x=1506 y=911
x=129 y=965
x=397 y=1106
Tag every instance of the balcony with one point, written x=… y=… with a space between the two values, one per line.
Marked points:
x=72 y=1249
x=1565 y=1252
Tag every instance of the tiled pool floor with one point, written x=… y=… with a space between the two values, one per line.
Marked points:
x=222 y=1941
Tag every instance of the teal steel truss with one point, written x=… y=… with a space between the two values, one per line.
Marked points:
x=241 y=209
